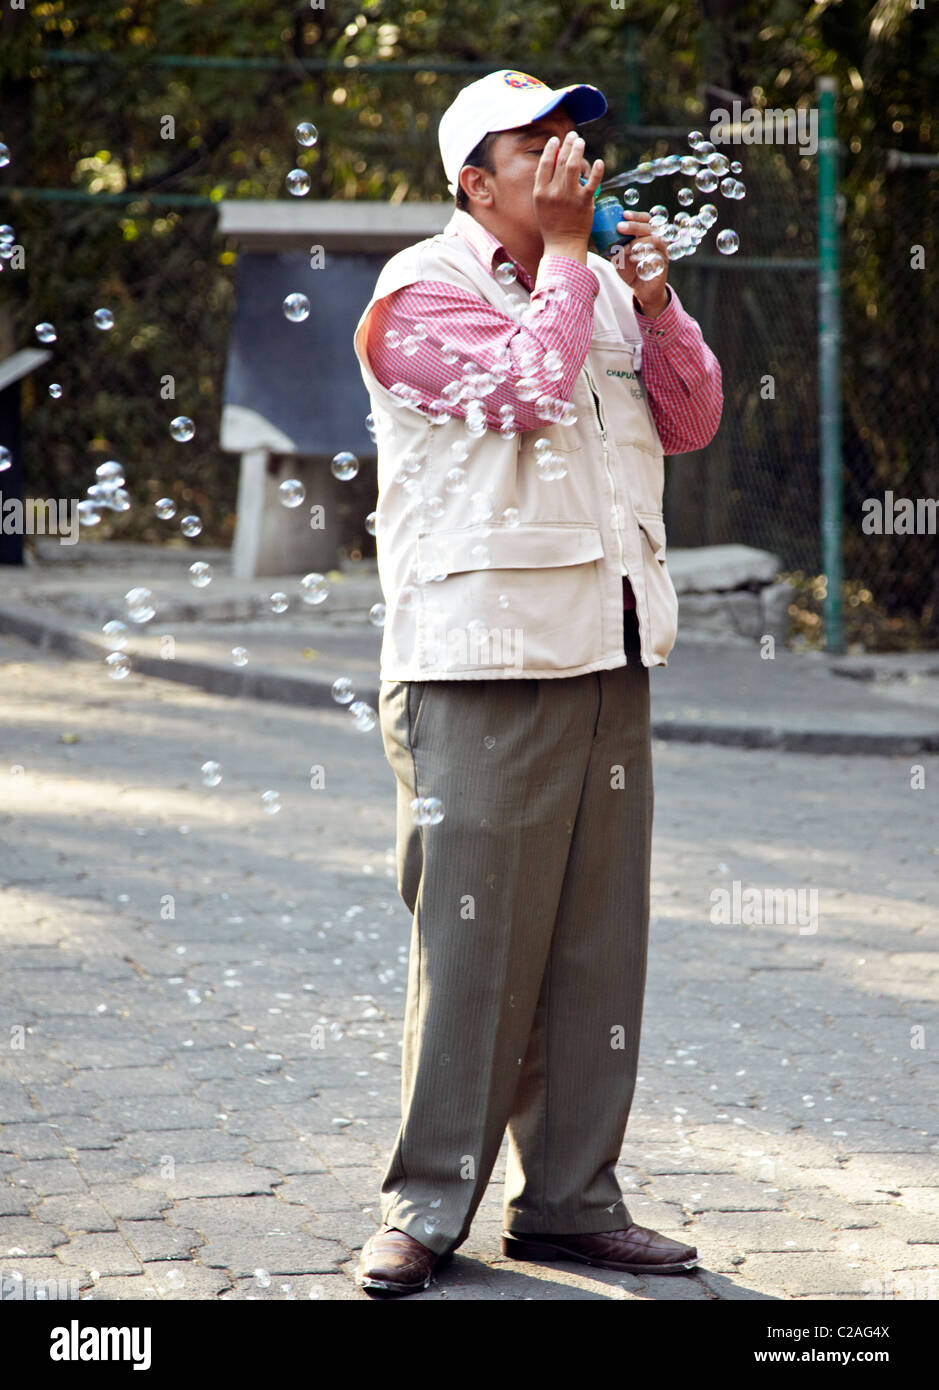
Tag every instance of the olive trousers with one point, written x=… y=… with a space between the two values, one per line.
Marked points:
x=530 y=903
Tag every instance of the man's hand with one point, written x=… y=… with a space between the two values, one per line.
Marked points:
x=651 y=294
x=564 y=205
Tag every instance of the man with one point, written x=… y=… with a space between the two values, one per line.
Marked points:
x=520 y=483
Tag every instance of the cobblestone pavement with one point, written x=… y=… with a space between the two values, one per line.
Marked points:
x=170 y=1130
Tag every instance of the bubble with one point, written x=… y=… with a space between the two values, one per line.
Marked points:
x=705 y=180
x=165 y=508
x=736 y=167
x=104 y=319
x=6 y=458
x=296 y=308
x=489 y=741
x=344 y=465
x=630 y=197
x=552 y=366
x=298 y=182
x=739 y=190
x=46 y=333
x=239 y=656
x=644 y=172
x=342 y=690
x=506 y=273
x=727 y=187
x=685 y=196
x=659 y=210
x=718 y=163
x=363 y=716
x=314 y=588
x=87 y=510
x=191 y=526
x=182 y=429
x=370 y=523
x=651 y=265
x=550 y=467
x=695 y=138
x=727 y=242
x=455 y=480
x=459 y=450
x=118 y=666
x=55 y=390
x=527 y=388
x=427 y=810
x=568 y=414
x=480 y=555
x=270 y=804
x=4 y=156
x=292 y=492
x=393 y=338
x=376 y=615
x=482 y=506
x=408 y=597
x=211 y=774
x=507 y=429
x=510 y=516
x=306 y=134
x=704 y=149
x=279 y=603
x=139 y=603
x=201 y=574
x=115 y=633
x=669 y=233
x=110 y=471
x=689 y=165
x=707 y=212
x=410 y=344
x=449 y=354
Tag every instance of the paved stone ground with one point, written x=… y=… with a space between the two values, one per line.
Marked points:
x=168 y=1129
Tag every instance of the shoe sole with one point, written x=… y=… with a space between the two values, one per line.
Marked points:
x=543 y=1250
x=367 y=1282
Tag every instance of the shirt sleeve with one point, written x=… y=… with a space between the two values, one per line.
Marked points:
x=431 y=336
x=683 y=378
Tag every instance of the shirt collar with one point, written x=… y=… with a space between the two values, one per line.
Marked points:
x=487 y=247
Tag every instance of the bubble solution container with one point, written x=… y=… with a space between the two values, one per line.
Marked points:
x=607 y=211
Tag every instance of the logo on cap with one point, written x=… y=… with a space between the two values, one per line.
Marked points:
x=521 y=79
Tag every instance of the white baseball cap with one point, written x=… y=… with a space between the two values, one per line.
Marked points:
x=504 y=100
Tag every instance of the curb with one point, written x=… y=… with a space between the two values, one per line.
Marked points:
x=50 y=635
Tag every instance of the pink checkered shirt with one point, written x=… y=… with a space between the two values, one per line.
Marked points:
x=682 y=375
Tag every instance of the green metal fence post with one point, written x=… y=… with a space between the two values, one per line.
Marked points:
x=829 y=362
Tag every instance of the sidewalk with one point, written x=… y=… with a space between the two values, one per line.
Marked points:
x=712 y=691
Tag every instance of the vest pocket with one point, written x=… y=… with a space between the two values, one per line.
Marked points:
x=661 y=598
x=529 y=601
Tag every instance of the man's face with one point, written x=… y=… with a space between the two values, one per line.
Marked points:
x=515 y=154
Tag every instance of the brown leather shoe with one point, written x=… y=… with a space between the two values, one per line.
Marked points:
x=394 y=1262
x=634 y=1250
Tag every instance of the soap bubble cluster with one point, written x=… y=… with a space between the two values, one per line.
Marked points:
x=708 y=170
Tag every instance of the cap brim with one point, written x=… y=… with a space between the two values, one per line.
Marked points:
x=584 y=103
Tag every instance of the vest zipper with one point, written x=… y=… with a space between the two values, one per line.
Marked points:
x=606 y=464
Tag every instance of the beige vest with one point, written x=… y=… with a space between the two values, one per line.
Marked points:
x=472 y=592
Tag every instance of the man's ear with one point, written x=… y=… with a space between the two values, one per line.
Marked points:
x=473 y=182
